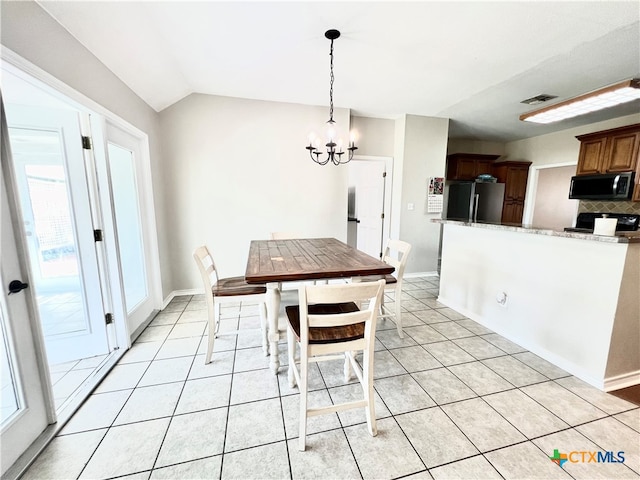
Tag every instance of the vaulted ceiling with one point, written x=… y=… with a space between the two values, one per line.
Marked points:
x=472 y=62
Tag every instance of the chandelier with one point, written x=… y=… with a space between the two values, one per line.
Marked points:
x=334 y=150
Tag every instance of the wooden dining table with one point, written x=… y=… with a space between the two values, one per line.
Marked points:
x=276 y=261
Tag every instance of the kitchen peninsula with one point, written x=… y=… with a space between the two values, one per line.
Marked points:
x=571 y=298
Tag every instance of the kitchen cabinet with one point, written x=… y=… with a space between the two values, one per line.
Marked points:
x=611 y=151
x=467 y=166
x=514 y=175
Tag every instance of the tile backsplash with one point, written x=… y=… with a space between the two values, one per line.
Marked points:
x=609 y=207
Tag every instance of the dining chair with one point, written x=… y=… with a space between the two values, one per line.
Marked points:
x=328 y=325
x=396 y=253
x=219 y=291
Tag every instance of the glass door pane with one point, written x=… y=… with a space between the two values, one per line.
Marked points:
x=44 y=199
x=24 y=399
x=10 y=398
x=126 y=176
x=128 y=223
x=54 y=206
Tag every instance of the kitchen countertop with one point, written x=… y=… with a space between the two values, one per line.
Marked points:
x=626 y=237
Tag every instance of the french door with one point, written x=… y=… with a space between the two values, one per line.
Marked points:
x=131 y=200
x=23 y=413
x=52 y=187
x=82 y=235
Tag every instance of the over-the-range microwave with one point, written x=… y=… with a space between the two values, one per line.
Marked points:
x=604 y=186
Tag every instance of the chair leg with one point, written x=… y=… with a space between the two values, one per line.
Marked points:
x=291 y=352
x=265 y=329
x=216 y=317
x=398 y=313
x=304 y=367
x=367 y=377
x=214 y=324
x=212 y=338
x=347 y=366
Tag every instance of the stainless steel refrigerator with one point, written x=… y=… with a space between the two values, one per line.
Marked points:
x=475 y=202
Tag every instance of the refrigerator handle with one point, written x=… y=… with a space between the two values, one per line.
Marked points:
x=476 y=199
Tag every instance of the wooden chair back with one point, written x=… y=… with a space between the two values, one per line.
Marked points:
x=396 y=254
x=369 y=293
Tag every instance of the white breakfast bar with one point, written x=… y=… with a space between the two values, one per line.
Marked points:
x=571 y=298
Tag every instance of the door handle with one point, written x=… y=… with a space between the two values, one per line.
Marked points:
x=17 y=286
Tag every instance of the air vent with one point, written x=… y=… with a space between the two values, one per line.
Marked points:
x=538 y=99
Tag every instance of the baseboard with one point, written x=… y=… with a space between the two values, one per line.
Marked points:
x=622 y=381
x=420 y=274
x=177 y=293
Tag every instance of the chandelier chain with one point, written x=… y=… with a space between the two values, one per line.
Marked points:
x=332 y=78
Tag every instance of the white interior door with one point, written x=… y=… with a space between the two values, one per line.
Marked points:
x=53 y=198
x=368 y=178
x=24 y=412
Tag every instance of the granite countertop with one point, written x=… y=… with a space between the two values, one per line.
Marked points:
x=627 y=237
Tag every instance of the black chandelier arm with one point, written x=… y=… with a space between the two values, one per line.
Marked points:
x=312 y=152
x=351 y=149
x=332 y=155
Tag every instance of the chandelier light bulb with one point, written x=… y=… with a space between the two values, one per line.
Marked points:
x=331 y=134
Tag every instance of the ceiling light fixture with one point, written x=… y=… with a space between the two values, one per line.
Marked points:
x=606 y=97
x=334 y=150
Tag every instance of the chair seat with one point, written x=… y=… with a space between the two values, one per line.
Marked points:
x=388 y=279
x=232 y=286
x=318 y=335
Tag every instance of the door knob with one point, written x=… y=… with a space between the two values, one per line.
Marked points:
x=17 y=286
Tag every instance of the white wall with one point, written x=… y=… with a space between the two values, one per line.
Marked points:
x=421 y=150
x=375 y=136
x=461 y=145
x=552 y=207
x=236 y=170
x=559 y=306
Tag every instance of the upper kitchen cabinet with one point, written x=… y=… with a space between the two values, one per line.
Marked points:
x=609 y=151
x=467 y=166
x=514 y=175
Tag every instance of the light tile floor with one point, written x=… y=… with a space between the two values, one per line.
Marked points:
x=68 y=377
x=453 y=400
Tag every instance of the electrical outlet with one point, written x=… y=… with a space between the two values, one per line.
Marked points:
x=502 y=298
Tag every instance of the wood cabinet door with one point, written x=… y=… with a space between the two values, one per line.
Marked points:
x=591 y=156
x=483 y=166
x=622 y=153
x=465 y=169
x=516 y=184
x=512 y=212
